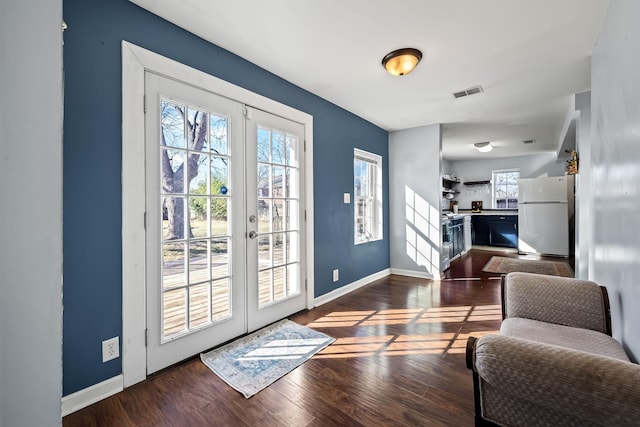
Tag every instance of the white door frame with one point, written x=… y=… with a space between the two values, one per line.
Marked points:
x=135 y=60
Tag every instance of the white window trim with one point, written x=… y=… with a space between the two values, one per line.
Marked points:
x=135 y=61
x=378 y=197
x=493 y=187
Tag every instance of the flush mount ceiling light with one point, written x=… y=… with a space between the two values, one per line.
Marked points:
x=402 y=61
x=483 y=147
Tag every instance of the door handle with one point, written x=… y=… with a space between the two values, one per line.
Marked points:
x=253 y=234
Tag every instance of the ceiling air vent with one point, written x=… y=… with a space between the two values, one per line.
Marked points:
x=467 y=92
x=529 y=141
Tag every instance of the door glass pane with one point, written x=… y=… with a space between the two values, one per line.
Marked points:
x=198 y=207
x=291 y=145
x=264 y=181
x=264 y=252
x=220 y=266
x=220 y=299
x=220 y=176
x=200 y=165
x=198 y=265
x=172 y=120
x=293 y=279
x=277 y=182
x=264 y=144
x=173 y=218
x=171 y=179
x=277 y=148
x=264 y=215
x=219 y=216
x=199 y=305
x=196 y=222
x=279 y=287
x=265 y=290
x=218 y=134
x=293 y=247
x=173 y=265
x=292 y=215
x=174 y=313
x=277 y=216
x=278 y=248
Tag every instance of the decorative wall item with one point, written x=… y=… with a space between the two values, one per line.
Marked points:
x=572 y=163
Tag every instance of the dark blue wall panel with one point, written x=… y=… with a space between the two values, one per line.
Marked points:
x=92 y=170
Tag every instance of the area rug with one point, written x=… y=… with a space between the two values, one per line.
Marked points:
x=252 y=363
x=498 y=264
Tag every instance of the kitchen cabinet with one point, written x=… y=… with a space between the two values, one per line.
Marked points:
x=495 y=230
x=456 y=230
x=479 y=230
x=503 y=231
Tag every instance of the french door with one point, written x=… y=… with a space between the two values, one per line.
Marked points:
x=275 y=204
x=223 y=229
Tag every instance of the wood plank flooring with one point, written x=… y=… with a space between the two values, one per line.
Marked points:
x=398 y=361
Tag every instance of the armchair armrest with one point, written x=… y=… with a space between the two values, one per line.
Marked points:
x=560 y=300
x=596 y=389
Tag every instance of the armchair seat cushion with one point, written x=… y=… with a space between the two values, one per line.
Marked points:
x=564 y=336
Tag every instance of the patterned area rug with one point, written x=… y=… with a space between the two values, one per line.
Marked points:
x=498 y=264
x=252 y=363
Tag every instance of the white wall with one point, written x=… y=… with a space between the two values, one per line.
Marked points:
x=31 y=218
x=615 y=168
x=583 y=185
x=414 y=199
x=480 y=170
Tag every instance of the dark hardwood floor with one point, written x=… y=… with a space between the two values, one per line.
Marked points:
x=398 y=361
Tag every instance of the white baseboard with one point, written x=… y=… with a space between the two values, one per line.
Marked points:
x=90 y=395
x=413 y=273
x=343 y=290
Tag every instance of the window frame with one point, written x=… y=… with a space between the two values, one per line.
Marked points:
x=374 y=210
x=494 y=185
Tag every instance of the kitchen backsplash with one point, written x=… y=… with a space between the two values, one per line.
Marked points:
x=469 y=193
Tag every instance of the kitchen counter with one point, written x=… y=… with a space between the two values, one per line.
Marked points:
x=463 y=212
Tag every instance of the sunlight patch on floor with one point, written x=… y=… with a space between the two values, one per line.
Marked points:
x=402 y=345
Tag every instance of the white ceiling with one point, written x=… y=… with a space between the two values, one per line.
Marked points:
x=529 y=56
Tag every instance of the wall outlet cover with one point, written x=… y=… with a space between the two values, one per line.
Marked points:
x=336 y=275
x=347 y=197
x=110 y=349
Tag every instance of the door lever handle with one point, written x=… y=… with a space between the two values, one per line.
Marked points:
x=253 y=234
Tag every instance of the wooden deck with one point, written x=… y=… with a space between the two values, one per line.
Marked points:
x=209 y=301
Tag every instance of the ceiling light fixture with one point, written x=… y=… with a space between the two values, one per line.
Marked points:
x=402 y=61
x=483 y=147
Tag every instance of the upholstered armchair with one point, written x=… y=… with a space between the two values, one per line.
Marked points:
x=554 y=362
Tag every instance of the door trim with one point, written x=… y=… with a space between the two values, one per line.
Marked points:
x=135 y=60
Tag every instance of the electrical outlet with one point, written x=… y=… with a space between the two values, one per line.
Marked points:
x=110 y=349
x=336 y=275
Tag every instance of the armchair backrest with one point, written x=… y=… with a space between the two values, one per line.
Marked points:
x=559 y=300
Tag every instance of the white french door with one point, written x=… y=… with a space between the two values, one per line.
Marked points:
x=275 y=204
x=223 y=231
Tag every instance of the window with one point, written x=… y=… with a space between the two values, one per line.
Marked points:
x=505 y=188
x=367 y=190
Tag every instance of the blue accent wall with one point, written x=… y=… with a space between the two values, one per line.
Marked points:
x=92 y=171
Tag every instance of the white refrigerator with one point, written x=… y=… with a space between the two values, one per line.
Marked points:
x=545 y=207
